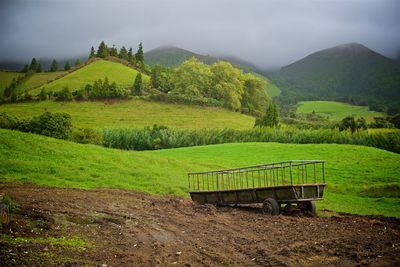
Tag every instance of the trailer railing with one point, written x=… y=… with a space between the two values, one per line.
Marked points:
x=266 y=175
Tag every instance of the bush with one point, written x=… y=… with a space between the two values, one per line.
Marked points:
x=86 y=136
x=64 y=94
x=57 y=125
x=162 y=137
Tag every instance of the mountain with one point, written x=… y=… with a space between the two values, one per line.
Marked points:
x=349 y=72
x=169 y=56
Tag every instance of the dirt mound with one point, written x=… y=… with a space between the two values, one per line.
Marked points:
x=73 y=227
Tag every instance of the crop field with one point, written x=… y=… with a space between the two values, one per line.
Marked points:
x=362 y=180
x=135 y=113
x=6 y=78
x=121 y=74
x=336 y=110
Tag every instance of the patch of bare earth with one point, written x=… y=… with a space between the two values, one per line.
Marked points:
x=125 y=228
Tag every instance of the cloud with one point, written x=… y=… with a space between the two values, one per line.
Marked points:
x=268 y=33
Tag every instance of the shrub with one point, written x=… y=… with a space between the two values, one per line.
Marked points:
x=57 y=125
x=86 y=136
x=64 y=94
x=7 y=121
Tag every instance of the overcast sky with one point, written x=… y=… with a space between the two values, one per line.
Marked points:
x=266 y=32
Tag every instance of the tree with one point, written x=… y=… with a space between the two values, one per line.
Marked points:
x=123 y=53
x=139 y=56
x=78 y=62
x=67 y=66
x=254 y=97
x=102 y=52
x=192 y=78
x=270 y=118
x=39 y=68
x=14 y=96
x=25 y=68
x=227 y=84
x=395 y=120
x=53 y=66
x=113 y=51
x=34 y=65
x=361 y=123
x=130 y=56
x=9 y=90
x=138 y=85
x=64 y=94
x=92 y=52
x=43 y=94
x=348 y=123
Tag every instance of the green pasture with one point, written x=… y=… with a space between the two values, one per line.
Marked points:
x=336 y=111
x=135 y=113
x=39 y=79
x=6 y=78
x=99 y=69
x=361 y=180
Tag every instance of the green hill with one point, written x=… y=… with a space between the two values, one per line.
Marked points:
x=135 y=113
x=169 y=56
x=350 y=71
x=336 y=110
x=6 y=78
x=357 y=181
x=38 y=79
x=99 y=69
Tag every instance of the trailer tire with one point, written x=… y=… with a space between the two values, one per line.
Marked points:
x=308 y=206
x=270 y=207
x=4 y=215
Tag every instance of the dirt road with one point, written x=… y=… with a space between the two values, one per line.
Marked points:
x=125 y=228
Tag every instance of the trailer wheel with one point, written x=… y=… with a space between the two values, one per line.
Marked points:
x=4 y=215
x=308 y=206
x=270 y=207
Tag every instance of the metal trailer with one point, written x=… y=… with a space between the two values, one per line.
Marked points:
x=296 y=181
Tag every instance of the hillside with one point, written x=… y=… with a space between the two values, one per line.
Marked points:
x=38 y=79
x=349 y=71
x=135 y=113
x=352 y=179
x=169 y=56
x=6 y=78
x=336 y=110
x=99 y=69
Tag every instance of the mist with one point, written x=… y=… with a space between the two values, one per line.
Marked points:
x=266 y=33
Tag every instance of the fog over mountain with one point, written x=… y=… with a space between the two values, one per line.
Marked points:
x=268 y=33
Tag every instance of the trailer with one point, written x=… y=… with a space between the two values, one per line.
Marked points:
x=300 y=182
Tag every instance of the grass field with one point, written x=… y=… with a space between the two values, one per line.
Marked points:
x=39 y=79
x=6 y=78
x=353 y=178
x=336 y=110
x=135 y=113
x=99 y=69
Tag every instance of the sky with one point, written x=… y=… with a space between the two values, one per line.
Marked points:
x=269 y=33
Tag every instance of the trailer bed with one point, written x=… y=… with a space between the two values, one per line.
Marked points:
x=285 y=182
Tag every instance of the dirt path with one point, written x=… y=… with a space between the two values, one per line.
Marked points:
x=125 y=228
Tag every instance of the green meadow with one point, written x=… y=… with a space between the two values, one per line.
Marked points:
x=99 y=69
x=336 y=110
x=135 y=113
x=361 y=180
x=6 y=78
x=38 y=79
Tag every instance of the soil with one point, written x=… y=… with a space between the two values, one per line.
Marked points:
x=126 y=228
